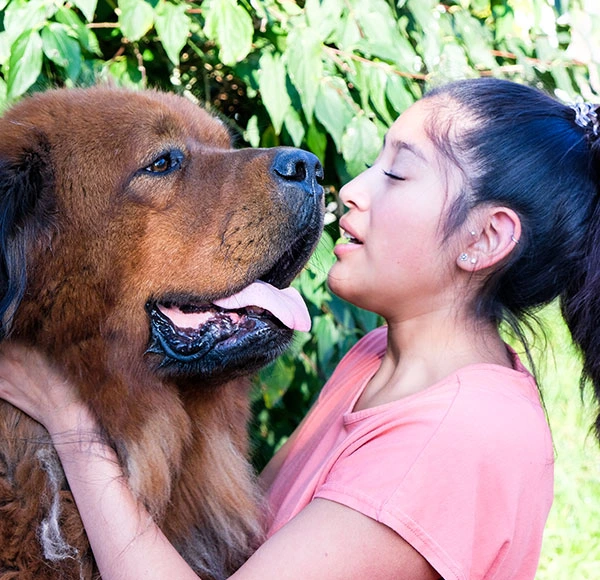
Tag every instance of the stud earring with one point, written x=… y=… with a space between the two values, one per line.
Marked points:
x=473 y=261
x=463 y=257
x=472 y=233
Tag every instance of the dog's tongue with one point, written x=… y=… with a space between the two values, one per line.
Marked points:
x=286 y=305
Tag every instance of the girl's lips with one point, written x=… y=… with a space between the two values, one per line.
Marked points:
x=342 y=249
x=348 y=242
x=348 y=234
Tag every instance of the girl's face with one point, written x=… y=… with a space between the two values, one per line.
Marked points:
x=393 y=261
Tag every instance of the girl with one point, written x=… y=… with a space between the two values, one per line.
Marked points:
x=428 y=454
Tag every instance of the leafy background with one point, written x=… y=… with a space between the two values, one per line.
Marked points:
x=331 y=76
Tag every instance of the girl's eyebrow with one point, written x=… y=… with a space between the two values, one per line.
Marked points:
x=400 y=145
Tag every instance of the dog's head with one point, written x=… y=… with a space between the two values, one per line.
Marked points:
x=129 y=215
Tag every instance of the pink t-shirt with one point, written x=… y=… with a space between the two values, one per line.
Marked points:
x=462 y=470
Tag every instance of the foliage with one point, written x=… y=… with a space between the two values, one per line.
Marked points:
x=326 y=75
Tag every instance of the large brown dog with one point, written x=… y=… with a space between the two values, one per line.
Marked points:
x=124 y=218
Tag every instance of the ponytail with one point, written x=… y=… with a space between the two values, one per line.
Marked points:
x=581 y=300
x=518 y=147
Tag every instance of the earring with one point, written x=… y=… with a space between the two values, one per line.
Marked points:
x=472 y=233
x=463 y=257
x=473 y=261
x=514 y=239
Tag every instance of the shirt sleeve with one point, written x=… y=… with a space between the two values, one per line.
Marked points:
x=466 y=479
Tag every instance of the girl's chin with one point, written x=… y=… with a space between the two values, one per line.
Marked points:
x=350 y=294
x=339 y=282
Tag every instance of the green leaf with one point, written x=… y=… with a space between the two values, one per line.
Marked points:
x=294 y=126
x=87 y=7
x=230 y=26
x=304 y=64
x=3 y=96
x=324 y=16
x=87 y=39
x=275 y=381
x=505 y=21
x=348 y=34
x=429 y=34
x=365 y=319
x=123 y=73
x=476 y=39
x=327 y=338
x=322 y=258
x=316 y=141
x=268 y=138
x=380 y=35
x=5 y=44
x=398 y=94
x=22 y=16
x=173 y=27
x=311 y=281
x=272 y=86
x=563 y=81
x=481 y=8
x=25 y=63
x=252 y=134
x=60 y=47
x=376 y=78
x=136 y=18
x=360 y=145
x=334 y=107
x=453 y=65
x=342 y=312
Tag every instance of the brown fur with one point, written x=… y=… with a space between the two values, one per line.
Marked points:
x=87 y=240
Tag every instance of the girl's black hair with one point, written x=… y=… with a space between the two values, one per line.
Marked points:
x=520 y=148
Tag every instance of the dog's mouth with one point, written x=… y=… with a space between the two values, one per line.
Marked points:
x=250 y=327
x=235 y=334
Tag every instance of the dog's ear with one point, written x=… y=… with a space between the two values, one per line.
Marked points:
x=25 y=178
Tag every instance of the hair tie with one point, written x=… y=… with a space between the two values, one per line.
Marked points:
x=586 y=116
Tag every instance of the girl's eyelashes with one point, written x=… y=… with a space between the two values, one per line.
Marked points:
x=392 y=175
x=387 y=173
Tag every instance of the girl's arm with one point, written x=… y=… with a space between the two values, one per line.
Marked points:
x=126 y=543
x=326 y=541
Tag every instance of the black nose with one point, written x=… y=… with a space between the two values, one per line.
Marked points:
x=301 y=168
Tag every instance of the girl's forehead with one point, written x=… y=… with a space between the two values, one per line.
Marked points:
x=420 y=120
x=428 y=132
x=411 y=134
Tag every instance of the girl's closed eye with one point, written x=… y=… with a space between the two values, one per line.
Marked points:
x=393 y=175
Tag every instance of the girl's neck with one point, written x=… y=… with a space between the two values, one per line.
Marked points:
x=424 y=350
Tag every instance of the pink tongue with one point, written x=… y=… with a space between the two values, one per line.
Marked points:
x=286 y=305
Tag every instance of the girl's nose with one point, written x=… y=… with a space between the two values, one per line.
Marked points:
x=353 y=194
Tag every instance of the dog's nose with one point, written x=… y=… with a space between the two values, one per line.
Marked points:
x=299 y=167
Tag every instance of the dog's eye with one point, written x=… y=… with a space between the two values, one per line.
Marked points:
x=165 y=163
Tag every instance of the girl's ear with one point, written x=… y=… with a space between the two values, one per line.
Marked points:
x=495 y=236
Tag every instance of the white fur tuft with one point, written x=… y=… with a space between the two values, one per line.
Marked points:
x=54 y=545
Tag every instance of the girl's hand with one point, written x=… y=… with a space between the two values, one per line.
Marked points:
x=31 y=383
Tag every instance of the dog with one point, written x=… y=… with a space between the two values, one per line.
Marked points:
x=150 y=261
